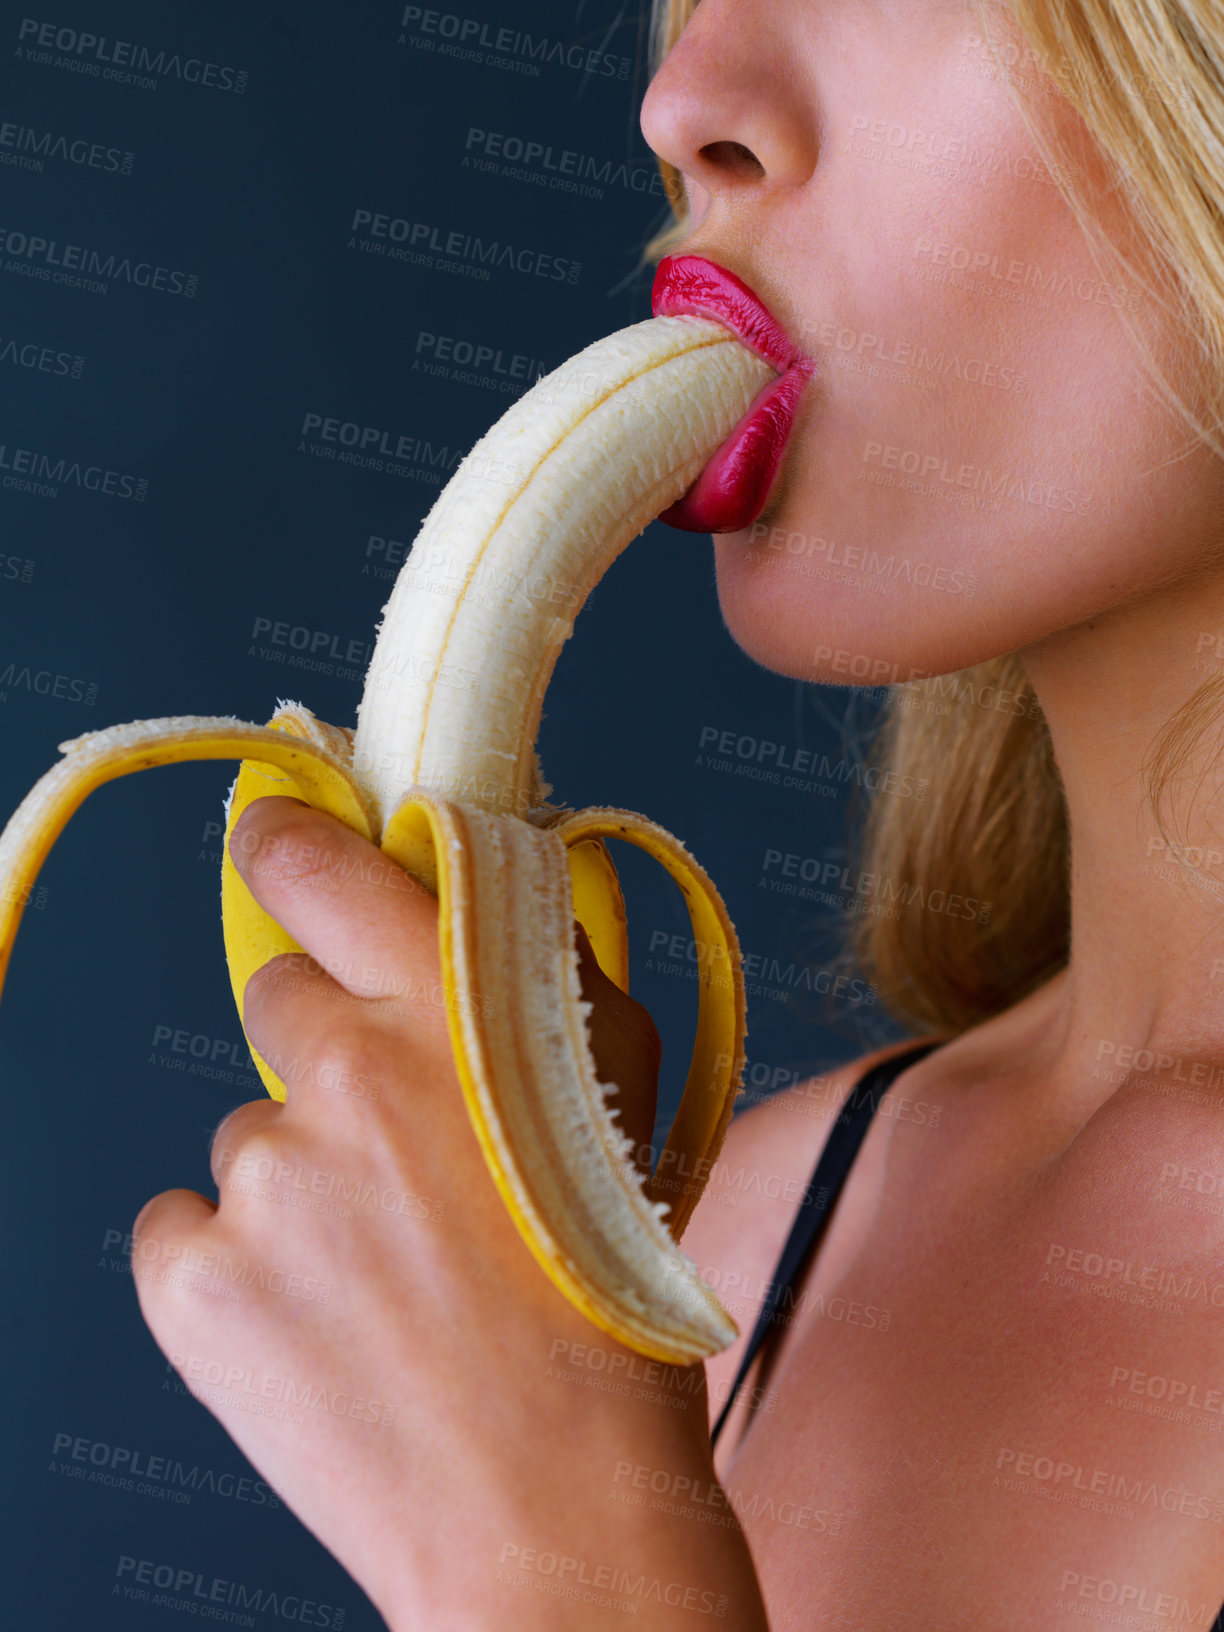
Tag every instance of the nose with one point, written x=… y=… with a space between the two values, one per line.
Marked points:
x=730 y=109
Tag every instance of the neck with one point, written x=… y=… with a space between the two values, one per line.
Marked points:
x=1146 y=969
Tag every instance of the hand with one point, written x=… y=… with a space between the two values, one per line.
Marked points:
x=360 y=1313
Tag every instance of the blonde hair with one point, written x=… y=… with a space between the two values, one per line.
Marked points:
x=1147 y=79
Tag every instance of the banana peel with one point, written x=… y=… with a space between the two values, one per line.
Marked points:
x=441 y=774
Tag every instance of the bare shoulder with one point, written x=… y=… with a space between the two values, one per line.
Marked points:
x=741 y=1223
x=1142 y=1188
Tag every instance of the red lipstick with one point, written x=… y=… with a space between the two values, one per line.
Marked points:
x=731 y=491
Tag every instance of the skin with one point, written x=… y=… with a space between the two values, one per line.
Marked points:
x=1045 y=1142
x=886 y=1439
x=429 y=1304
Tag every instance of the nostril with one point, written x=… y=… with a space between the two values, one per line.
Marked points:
x=734 y=159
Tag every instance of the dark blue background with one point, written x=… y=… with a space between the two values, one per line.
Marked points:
x=148 y=606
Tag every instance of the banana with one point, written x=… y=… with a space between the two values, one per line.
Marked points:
x=441 y=773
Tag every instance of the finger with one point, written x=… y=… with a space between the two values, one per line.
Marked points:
x=169 y=1216
x=232 y=1133
x=165 y=1239
x=329 y=1047
x=353 y=909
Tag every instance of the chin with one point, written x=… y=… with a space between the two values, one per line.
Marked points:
x=779 y=637
x=798 y=623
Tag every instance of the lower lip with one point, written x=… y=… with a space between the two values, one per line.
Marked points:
x=731 y=491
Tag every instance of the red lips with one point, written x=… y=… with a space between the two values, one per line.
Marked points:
x=731 y=491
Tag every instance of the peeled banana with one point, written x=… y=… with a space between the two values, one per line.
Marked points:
x=441 y=773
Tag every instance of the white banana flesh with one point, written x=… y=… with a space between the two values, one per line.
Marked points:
x=550 y=496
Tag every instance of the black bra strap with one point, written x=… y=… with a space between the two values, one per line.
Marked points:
x=841 y=1147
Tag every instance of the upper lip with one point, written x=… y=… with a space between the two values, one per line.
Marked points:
x=690 y=284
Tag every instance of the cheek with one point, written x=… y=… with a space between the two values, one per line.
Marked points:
x=975 y=415
x=959 y=323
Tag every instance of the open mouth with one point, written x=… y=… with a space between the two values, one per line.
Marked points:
x=731 y=491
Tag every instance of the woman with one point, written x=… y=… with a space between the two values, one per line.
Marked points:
x=996 y=1397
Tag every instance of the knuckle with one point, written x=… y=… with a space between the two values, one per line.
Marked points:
x=240 y=1128
x=159 y=1230
x=353 y=1046
x=279 y=978
x=260 y=1153
x=353 y=1059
